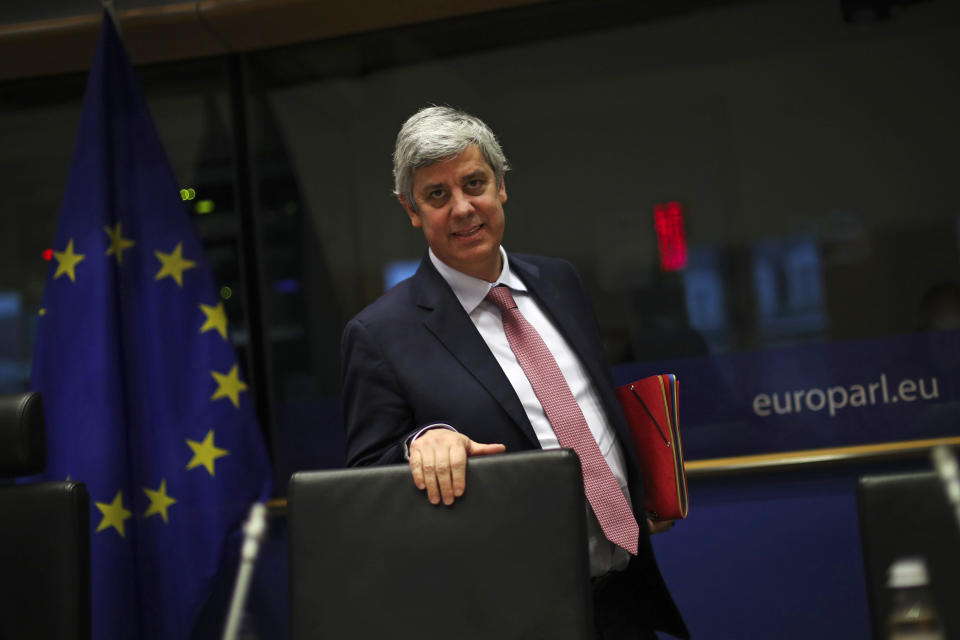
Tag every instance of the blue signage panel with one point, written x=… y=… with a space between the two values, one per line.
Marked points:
x=860 y=392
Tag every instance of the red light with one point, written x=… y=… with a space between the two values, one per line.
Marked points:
x=48 y=254
x=671 y=236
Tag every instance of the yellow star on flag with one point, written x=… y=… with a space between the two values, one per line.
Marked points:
x=229 y=385
x=204 y=453
x=67 y=261
x=113 y=514
x=117 y=242
x=216 y=319
x=159 y=500
x=173 y=264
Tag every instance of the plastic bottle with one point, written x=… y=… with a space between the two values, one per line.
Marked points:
x=913 y=614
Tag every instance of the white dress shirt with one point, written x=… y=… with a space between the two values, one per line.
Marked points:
x=471 y=292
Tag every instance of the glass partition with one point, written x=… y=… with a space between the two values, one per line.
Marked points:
x=802 y=164
x=759 y=196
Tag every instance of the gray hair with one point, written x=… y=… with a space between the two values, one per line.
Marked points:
x=435 y=133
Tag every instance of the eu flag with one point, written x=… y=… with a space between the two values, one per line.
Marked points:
x=144 y=398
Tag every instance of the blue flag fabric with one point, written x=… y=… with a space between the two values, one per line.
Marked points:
x=142 y=391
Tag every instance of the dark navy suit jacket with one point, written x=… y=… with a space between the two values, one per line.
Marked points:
x=414 y=357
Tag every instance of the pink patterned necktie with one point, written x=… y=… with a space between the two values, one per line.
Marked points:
x=601 y=487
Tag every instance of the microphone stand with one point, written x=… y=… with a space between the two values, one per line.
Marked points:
x=946 y=465
x=254 y=530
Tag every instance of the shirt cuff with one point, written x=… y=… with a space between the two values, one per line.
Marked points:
x=409 y=441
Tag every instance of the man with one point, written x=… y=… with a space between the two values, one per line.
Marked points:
x=482 y=352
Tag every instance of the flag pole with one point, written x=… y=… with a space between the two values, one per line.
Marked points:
x=112 y=12
x=255 y=530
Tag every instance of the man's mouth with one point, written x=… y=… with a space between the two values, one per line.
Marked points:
x=469 y=232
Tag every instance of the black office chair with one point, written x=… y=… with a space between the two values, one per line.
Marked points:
x=44 y=535
x=508 y=560
x=904 y=515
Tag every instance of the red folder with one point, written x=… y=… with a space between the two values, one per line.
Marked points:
x=650 y=405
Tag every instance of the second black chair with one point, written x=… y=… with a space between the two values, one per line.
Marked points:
x=44 y=535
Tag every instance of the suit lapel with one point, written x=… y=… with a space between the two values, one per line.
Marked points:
x=448 y=322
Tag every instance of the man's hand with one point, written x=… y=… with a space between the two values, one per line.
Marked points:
x=438 y=462
x=659 y=526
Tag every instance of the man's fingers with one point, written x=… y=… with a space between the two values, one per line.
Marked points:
x=444 y=479
x=438 y=463
x=430 y=476
x=416 y=469
x=480 y=449
x=659 y=526
x=458 y=470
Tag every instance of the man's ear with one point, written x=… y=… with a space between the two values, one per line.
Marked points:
x=414 y=216
x=502 y=191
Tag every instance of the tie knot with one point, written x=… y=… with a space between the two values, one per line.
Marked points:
x=502 y=297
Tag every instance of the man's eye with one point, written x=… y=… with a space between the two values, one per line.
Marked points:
x=475 y=184
x=436 y=194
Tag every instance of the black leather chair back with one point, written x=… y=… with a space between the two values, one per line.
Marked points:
x=44 y=536
x=23 y=445
x=904 y=515
x=369 y=556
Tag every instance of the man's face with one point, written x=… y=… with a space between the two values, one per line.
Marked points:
x=459 y=208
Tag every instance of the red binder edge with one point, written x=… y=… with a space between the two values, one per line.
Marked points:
x=669 y=396
x=671 y=403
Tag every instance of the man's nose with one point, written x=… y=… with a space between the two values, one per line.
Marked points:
x=461 y=205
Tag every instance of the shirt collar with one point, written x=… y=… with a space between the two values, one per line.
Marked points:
x=471 y=291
